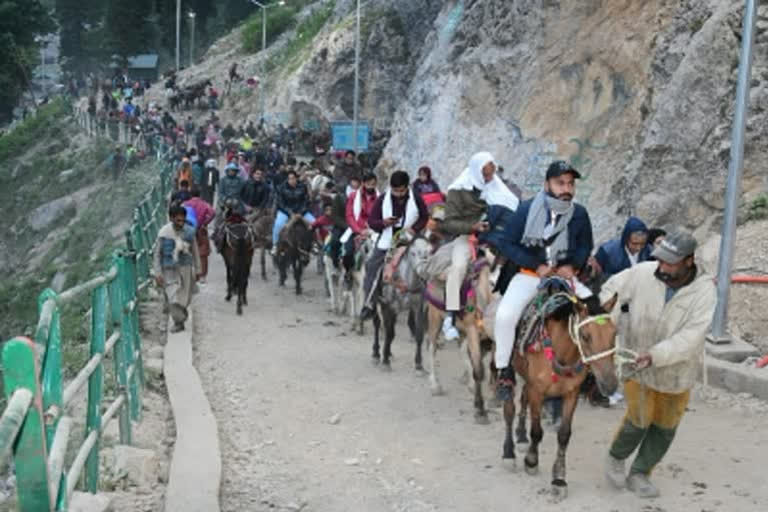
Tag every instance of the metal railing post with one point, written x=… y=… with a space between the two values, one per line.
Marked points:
x=30 y=454
x=129 y=336
x=95 y=384
x=118 y=354
x=51 y=367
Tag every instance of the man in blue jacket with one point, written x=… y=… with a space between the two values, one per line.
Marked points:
x=548 y=235
x=621 y=253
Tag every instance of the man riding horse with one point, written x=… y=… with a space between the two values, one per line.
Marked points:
x=292 y=199
x=358 y=210
x=548 y=235
x=397 y=210
x=466 y=205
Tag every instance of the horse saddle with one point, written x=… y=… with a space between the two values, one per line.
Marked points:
x=434 y=293
x=554 y=294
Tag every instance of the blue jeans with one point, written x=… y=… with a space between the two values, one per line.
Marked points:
x=281 y=219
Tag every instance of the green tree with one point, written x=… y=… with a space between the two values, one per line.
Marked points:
x=20 y=22
x=80 y=31
x=129 y=30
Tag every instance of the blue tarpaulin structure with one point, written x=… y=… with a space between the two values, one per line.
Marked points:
x=342 y=135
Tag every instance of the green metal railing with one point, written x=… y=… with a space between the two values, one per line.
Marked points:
x=35 y=427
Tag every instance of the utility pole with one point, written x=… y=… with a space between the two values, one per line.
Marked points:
x=192 y=38
x=263 y=80
x=178 y=35
x=356 y=95
x=733 y=188
x=263 y=84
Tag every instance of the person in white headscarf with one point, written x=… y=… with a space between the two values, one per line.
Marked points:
x=467 y=202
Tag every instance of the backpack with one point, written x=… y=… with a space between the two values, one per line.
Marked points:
x=191 y=216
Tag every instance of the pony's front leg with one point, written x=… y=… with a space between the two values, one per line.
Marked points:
x=559 y=485
x=390 y=318
x=535 y=400
x=376 y=326
x=508 y=458
x=417 y=328
x=434 y=321
x=478 y=372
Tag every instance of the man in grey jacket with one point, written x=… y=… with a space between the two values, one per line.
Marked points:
x=669 y=304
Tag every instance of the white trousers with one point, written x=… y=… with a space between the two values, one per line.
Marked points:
x=457 y=272
x=521 y=290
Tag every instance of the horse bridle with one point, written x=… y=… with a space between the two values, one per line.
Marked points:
x=574 y=331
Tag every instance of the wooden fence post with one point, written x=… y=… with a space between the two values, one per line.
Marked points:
x=30 y=454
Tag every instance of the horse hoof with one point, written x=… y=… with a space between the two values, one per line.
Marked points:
x=510 y=464
x=437 y=390
x=386 y=367
x=559 y=490
x=240 y=311
x=419 y=367
x=481 y=418
x=522 y=439
x=376 y=360
x=531 y=470
x=228 y=298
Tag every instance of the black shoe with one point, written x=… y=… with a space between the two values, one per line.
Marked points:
x=505 y=385
x=366 y=313
x=596 y=399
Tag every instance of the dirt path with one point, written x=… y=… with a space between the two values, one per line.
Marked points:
x=276 y=376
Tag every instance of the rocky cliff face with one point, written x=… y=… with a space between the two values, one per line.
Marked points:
x=638 y=94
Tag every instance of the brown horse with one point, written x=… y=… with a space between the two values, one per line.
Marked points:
x=294 y=248
x=237 y=251
x=261 y=222
x=475 y=342
x=557 y=339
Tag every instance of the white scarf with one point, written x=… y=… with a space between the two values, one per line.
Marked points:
x=411 y=216
x=493 y=193
x=357 y=209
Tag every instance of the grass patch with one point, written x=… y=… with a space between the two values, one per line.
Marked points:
x=280 y=18
x=758 y=208
x=290 y=56
x=34 y=129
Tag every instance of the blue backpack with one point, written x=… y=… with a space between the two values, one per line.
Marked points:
x=191 y=216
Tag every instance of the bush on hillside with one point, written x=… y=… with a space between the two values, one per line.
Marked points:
x=33 y=129
x=305 y=33
x=279 y=19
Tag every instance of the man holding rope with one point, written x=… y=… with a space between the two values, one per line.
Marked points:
x=670 y=303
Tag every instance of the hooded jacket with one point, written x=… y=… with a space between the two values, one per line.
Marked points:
x=231 y=187
x=426 y=187
x=612 y=255
x=672 y=332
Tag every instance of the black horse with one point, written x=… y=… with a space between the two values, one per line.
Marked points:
x=294 y=247
x=237 y=251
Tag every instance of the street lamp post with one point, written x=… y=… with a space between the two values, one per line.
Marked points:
x=733 y=189
x=192 y=38
x=178 y=35
x=262 y=84
x=356 y=94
